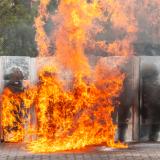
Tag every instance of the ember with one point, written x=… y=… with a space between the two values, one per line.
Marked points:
x=77 y=111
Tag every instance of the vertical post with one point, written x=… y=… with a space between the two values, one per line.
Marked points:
x=136 y=99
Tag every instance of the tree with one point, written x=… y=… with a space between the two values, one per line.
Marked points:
x=16 y=28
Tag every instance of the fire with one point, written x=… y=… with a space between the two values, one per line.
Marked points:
x=12 y=121
x=43 y=42
x=81 y=116
x=72 y=110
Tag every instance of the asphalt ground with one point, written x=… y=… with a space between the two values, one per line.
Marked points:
x=135 y=151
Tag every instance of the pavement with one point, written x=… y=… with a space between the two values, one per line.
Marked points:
x=135 y=151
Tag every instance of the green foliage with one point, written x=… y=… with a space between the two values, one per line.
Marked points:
x=16 y=28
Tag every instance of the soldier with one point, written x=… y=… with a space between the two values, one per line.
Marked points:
x=150 y=109
x=15 y=79
x=126 y=100
x=15 y=85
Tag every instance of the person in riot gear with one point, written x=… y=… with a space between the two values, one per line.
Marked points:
x=15 y=79
x=15 y=85
x=150 y=109
x=126 y=96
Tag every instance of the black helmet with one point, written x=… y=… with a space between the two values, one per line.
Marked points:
x=15 y=74
x=149 y=71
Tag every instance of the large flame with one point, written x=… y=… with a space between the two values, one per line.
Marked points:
x=12 y=117
x=73 y=100
x=43 y=42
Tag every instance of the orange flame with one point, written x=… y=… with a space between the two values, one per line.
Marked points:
x=75 y=18
x=77 y=111
x=41 y=38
